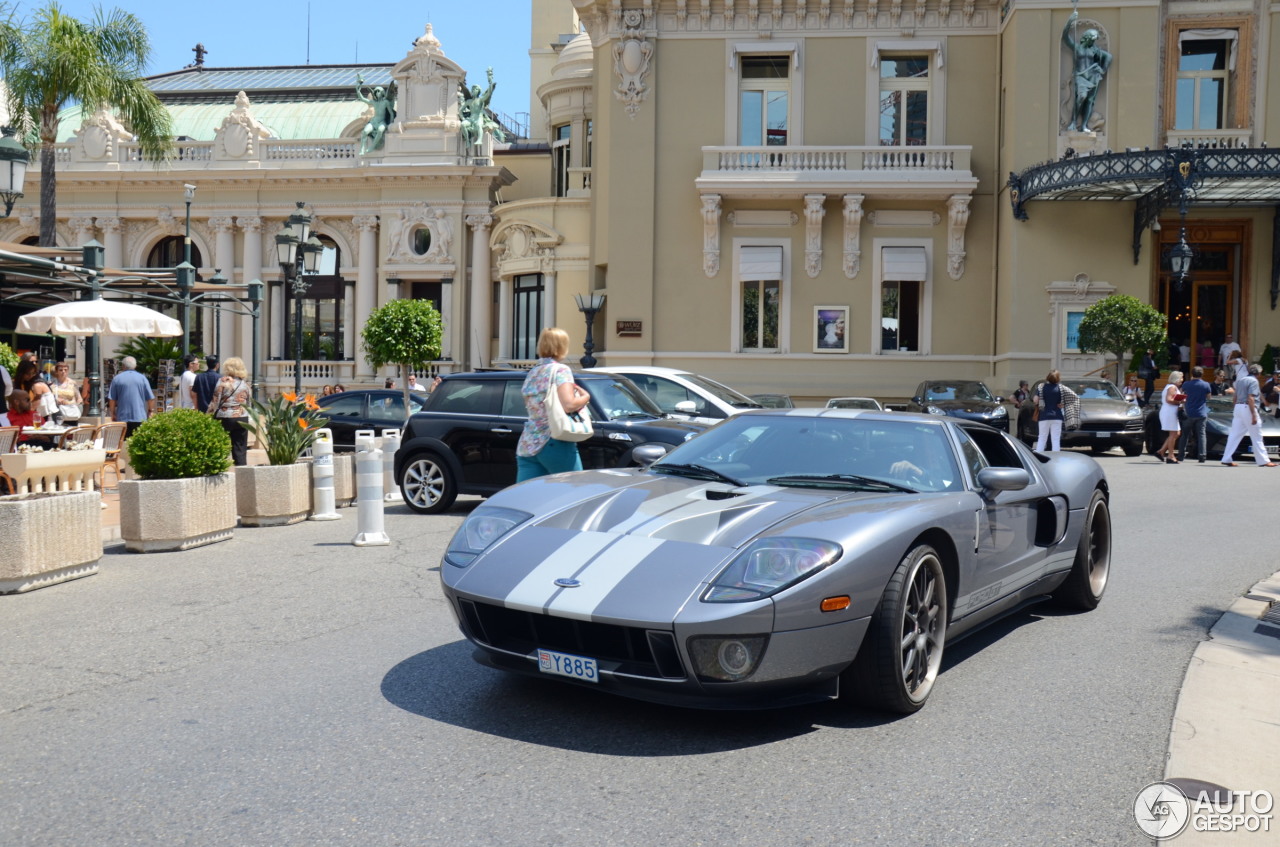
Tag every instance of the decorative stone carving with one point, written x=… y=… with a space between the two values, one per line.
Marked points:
x=427 y=82
x=521 y=241
x=249 y=224
x=958 y=219
x=28 y=218
x=99 y=135
x=403 y=235
x=632 y=56
x=222 y=224
x=824 y=11
x=682 y=11
x=169 y=225
x=705 y=13
x=238 y=135
x=777 y=13
x=82 y=227
x=853 y=234
x=848 y=12
x=114 y=226
x=479 y=223
x=711 y=234
x=753 y=13
x=814 y=211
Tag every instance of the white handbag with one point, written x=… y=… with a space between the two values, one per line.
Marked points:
x=565 y=426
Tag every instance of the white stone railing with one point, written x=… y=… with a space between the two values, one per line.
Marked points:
x=579 y=180
x=761 y=160
x=129 y=156
x=277 y=151
x=1209 y=138
x=53 y=470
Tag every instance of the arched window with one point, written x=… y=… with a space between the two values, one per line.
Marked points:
x=322 y=306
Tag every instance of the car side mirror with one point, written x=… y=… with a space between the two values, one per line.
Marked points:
x=1003 y=479
x=687 y=407
x=999 y=399
x=917 y=401
x=646 y=454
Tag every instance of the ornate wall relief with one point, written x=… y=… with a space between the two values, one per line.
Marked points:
x=99 y=136
x=238 y=135
x=852 y=234
x=814 y=211
x=421 y=235
x=632 y=56
x=711 y=234
x=957 y=220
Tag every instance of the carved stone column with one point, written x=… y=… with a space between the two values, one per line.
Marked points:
x=958 y=219
x=224 y=259
x=250 y=269
x=852 y=234
x=711 y=234
x=549 y=296
x=350 y=329
x=366 y=280
x=113 y=241
x=814 y=211
x=82 y=229
x=481 y=294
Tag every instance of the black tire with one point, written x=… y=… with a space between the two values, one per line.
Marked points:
x=1132 y=450
x=1090 y=571
x=1155 y=440
x=427 y=484
x=901 y=653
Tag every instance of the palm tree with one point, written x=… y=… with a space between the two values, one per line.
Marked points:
x=57 y=60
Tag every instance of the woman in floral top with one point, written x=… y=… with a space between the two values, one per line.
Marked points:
x=538 y=454
x=227 y=405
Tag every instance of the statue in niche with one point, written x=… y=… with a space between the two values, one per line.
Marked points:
x=1090 y=63
x=383 y=105
x=473 y=110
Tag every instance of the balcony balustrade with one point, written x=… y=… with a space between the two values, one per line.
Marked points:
x=934 y=171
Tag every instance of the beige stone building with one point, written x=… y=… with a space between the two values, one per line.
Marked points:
x=805 y=196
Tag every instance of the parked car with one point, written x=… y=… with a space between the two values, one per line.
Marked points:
x=774 y=401
x=960 y=398
x=1106 y=419
x=684 y=394
x=855 y=403
x=376 y=409
x=464 y=439
x=779 y=558
x=1216 y=429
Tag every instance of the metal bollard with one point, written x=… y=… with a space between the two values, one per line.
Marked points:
x=390 y=444
x=369 y=531
x=322 y=494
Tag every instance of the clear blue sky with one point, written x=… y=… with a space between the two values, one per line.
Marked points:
x=474 y=33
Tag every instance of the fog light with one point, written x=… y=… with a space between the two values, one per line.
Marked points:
x=726 y=658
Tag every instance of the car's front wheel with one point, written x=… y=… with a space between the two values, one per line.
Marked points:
x=902 y=650
x=1132 y=448
x=1089 y=572
x=427 y=484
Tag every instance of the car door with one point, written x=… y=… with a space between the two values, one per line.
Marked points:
x=1007 y=557
x=475 y=433
x=674 y=398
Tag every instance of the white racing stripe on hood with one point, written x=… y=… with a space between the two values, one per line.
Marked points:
x=537 y=589
x=601 y=577
x=655 y=506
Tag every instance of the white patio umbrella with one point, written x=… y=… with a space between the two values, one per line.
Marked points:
x=93 y=317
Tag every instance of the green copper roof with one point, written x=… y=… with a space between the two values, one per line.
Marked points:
x=286 y=120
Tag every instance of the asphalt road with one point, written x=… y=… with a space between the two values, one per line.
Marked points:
x=285 y=688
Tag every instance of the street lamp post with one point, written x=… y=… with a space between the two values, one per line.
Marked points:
x=298 y=253
x=14 y=159
x=589 y=305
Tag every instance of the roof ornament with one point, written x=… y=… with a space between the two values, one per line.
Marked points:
x=382 y=113
x=200 y=52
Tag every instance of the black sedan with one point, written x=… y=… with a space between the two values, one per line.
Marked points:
x=1216 y=430
x=375 y=409
x=1106 y=419
x=969 y=400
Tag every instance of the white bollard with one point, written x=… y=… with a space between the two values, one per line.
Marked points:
x=369 y=531
x=390 y=444
x=322 y=494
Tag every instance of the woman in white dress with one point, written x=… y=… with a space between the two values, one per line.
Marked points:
x=1171 y=400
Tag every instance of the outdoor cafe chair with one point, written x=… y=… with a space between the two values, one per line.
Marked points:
x=76 y=435
x=8 y=440
x=112 y=437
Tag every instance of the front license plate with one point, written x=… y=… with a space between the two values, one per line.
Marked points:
x=563 y=664
x=1104 y=435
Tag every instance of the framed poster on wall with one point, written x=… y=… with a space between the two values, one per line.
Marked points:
x=829 y=324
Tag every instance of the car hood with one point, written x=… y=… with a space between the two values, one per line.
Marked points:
x=973 y=407
x=1099 y=408
x=641 y=546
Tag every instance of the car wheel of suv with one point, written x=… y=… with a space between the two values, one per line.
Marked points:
x=427 y=484
x=1132 y=450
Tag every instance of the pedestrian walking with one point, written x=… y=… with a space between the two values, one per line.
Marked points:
x=538 y=454
x=1171 y=399
x=1197 y=392
x=1246 y=420
x=1048 y=413
x=1022 y=392
x=187 y=383
x=130 y=398
x=206 y=382
x=1148 y=372
x=228 y=405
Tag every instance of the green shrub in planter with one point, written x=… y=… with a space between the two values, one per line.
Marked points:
x=180 y=444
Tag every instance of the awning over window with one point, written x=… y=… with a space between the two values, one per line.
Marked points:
x=759 y=263
x=904 y=263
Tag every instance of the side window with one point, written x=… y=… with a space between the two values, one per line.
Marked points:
x=997 y=451
x=386 y=408
x=345 y=407
x=512 y=400
x=972 y=456
x=467 y=397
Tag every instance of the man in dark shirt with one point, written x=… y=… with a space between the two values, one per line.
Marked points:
x=1197 y=407
x=205 y=384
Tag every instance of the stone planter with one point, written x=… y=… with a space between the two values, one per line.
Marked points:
x=273 y=495
x=47 y=539
x=158 y=515
x=53 y=470
x=344 y=479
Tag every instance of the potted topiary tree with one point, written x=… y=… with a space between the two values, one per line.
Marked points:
x=184 y=497
x=278 y=493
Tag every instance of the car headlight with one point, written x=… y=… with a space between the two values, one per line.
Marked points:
x=1002 y=412
x=1133 y=411
x=719 y=658
x=769 y=565
x=479 y=531
x=934 y=410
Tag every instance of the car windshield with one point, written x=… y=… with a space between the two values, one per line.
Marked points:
x=1094 y=389
x=723 y=393
x=852 y=403
x=619 y=399
x=806 y=451
x=958 y=391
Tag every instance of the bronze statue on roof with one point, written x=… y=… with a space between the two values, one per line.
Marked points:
x=473 y=110
x=383 y=105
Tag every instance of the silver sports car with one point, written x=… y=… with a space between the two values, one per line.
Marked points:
x=783 y=556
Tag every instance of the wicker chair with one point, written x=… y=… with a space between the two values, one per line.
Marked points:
x=112 y=437
x=76 y=435
x=8 y=441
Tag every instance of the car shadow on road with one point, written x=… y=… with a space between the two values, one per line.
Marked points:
x=444 y=684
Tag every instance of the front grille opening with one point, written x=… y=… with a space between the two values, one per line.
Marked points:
x=637 y=651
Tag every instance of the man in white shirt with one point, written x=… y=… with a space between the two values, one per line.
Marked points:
x=187 y=384
x=415 y=386
x=1224 y=352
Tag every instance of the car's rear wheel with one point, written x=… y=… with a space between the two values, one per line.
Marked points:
x=1087 y=581
x=427 y=484
x=902 y=651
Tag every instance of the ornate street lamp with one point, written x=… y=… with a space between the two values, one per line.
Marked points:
x=1180 y=256
x=589 y=304
x=298 y=253
x=14 y=159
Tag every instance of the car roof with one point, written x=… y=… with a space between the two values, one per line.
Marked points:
x=649 y=370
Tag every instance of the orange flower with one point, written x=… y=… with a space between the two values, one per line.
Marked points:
x=290 y=397
x=311 y=403
x=302 y=422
